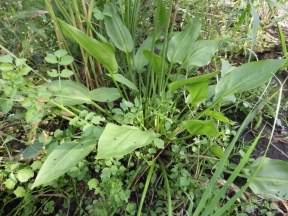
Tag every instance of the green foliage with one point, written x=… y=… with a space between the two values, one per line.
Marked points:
x=117 y=141
x=121 y=79
x=271 y=178
x=105 y=94
x=143 y=129
x=247 y=76
x=200 y=53
x=67 y=92
x=190 y=81
x=116 y=30
x=64 y=157
x=102 y=52
x=180 y=43
x=23 y=175
x=199 y=127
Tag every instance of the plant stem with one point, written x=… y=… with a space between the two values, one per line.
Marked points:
x=166 y=181
x=148 y=180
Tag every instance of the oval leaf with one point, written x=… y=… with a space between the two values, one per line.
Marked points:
x=157 y=63
x=197 y=79
x=247 y=76
x=62 y=159
x=116 y=30
x=218 y=116
x=199 y=127
x=102 y=52
x=23 y=175
x=121 y=79
x=180 y=43
x=201 y=53
x=68 y=93
x=198 y=92
x=139 y=58
x=105 y=94
x=271 y=179
x=117 y=141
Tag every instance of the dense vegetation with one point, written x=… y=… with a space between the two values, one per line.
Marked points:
x=140 y=107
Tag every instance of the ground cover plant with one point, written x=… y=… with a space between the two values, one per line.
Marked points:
x=140 y=110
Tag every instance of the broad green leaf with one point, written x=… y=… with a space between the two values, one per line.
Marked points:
x=226 y=67
x=198 y=92
x=10 y=183
x=217 y=151
x=181 y=83
x=63 y=158
x=247 y=76
x=34 y=115
x=6 y=59
x=159 y=143
x=66 y=73
x=68 y=92
x=199 y=127
x=36 y=165
x=20 y=62
x=156 y=61
x=121 y=79
x=23 y=175
x=162 y=16
x=139 y=58
x=104 y=94
x=271 y=179
x=53 y=73
x=24 y=69
x=217 y=115
x=6 y=67
x=102 y=52
x=116 y=30
x=98 y=14
x=52 y=59
x=32 y=151
x=92 y=184
x=6 y=104
x=66 y=60
x=200 y=53
x=20 y=192
x=117 y=141
x=60 y=53
x=180 y=44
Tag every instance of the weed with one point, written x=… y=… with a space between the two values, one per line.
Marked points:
x=144 y=126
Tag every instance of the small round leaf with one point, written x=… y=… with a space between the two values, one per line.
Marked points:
x=66 y=60
x=24 y=174
x=66 y=73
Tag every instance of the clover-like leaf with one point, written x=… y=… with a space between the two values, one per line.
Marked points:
x=20 y=192
x=23 y=175
x=53 y=73
x=66 y=73
x=52 y=59
x=66 y=60
x=60 y=53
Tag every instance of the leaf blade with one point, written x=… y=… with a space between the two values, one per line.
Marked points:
x=178 y=46
x=200 y=127
x=271 y=178
x=116 y=30
x=196 y=79
x=117 y=141
x=104 y=94
x=62 y=159
x=247 y=76
x=102 y=52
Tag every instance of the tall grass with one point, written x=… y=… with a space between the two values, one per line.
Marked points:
x=78 y=14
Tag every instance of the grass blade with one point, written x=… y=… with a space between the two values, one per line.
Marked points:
x=221 y=166
x=221 y=193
